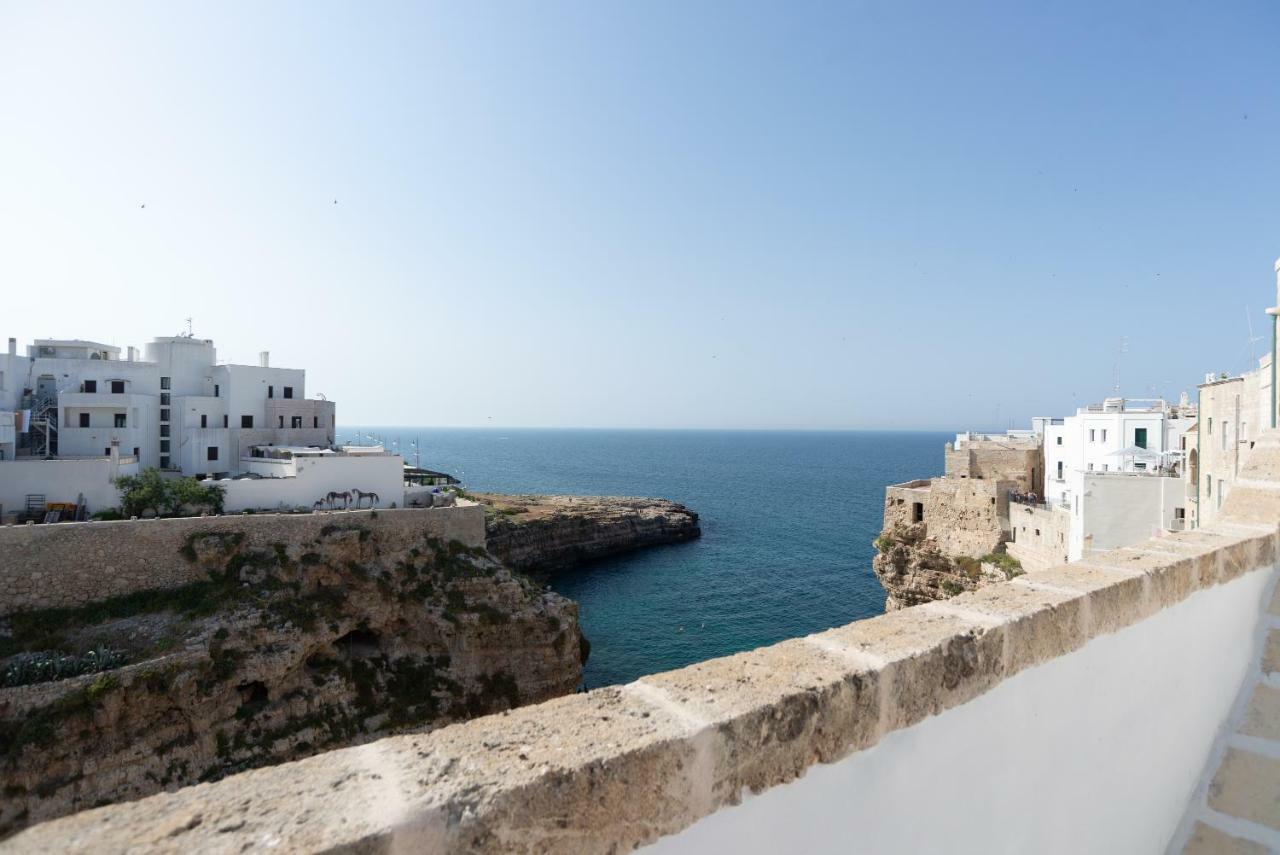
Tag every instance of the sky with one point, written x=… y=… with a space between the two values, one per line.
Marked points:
x=660 y=214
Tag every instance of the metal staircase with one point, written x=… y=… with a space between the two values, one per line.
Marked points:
x=44 y=428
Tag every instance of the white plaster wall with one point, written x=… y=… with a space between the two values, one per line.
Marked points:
x=1121 y=510
x=1098 y=751
x=60 y=481
x=316 y=476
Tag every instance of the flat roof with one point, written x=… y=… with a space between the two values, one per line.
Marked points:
x=74 y=342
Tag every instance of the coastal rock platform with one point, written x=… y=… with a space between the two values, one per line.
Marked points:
x=543 y=534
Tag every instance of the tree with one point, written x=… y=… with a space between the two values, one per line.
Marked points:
x=143 y=492
x=151 y=491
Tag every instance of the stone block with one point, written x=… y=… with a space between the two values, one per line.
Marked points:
x=932 y=661
x=1262 y=717
x=1247 y=786
x=774 y=711
x=1115 y=599
x=1206 y=840
x=1038 y=624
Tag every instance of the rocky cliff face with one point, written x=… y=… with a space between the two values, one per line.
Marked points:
x=281 y=653
x=913 y=569
x=548 y=533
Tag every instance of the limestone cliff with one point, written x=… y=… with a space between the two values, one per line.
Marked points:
x=913 y=569
x=277 y=654
x=548 y=533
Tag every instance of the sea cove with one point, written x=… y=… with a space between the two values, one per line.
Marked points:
x=788 y=518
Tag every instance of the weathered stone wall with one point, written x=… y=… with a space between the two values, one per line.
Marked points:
x=1022 y=463
x=968 y=517
x=900 y=502
x=1230 y=418
x=70 y=564
x=281 y=652
x=1040 y=536
x=963 y=516
x=611 y=769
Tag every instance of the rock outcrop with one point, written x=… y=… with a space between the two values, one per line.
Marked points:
x=279 y=653
x=913 y=569
x=542 y=534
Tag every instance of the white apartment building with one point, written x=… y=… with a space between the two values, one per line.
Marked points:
x=175 y=408
x=1112 y=478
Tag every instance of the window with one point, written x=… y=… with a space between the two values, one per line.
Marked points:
x=288 y=391
x=917 y=512
x=213 y=452
x=246 y=422
x=164 y=415
x=1210 y=431
x=271 y=391
x=1106 y=467
x=106 y=452
x=166 y=382
x=315 y=421
x=224 y=419
x=164 y=446
x=296 y=422
x=117 y=387
x=1179 y=513
x=281 y=421
x=204 y=420
x=164 y=463
x=1059 y=470
x=164 y=399
x=91 y=385
x=1091 y=436
x=136 y=451
x=1140 y=437
x=1090 y=467
x=1104 y=434
x=216 y=390
x=1059 y=440
x=1140 y=466
x=1037 y=532
x=120 y=420
x=164 y=430
x=84 y=420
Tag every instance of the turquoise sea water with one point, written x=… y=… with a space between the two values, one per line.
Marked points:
x=787 y=523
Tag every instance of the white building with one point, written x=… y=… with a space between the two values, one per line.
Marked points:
x=1112 y=478
x=175 y=408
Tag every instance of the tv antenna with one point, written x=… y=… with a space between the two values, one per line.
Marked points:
x=1253 y=353
x=1121 y=349
x=189 y=333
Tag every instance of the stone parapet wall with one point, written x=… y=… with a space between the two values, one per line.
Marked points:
x=614 y=768
x=71 y=564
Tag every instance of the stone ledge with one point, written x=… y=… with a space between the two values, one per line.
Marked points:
x=621 y=766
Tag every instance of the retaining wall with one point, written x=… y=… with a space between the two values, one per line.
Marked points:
x=70 y=564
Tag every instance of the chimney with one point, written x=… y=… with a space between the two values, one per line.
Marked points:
x=133 y=352
x=13 y=347
x=264 y=359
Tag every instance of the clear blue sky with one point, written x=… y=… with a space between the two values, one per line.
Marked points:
x=861 y=215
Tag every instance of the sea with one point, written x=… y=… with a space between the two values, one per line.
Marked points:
x=787 y=520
